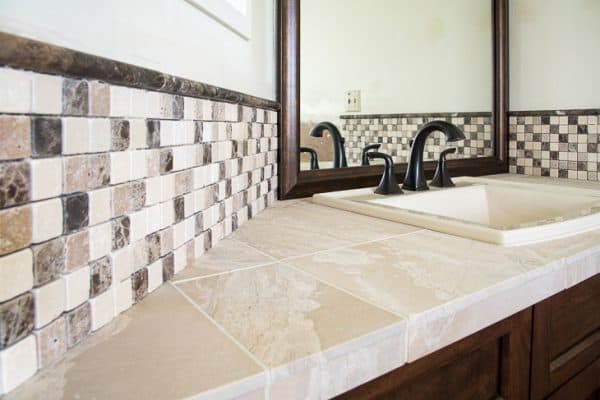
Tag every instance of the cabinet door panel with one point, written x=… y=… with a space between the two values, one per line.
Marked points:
x=566 y=336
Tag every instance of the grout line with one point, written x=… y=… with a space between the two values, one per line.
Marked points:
x=346 y=246
x=222 y=329
x=341 y=289
x=223 y=272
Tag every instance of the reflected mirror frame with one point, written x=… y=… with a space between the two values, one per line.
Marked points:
x=294 y=183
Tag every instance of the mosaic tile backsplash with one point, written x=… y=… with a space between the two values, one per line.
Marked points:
x=554 y=144
x=105 y=193
x=394 y=132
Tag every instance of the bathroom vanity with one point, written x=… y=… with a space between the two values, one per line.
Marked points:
x=548 y=351
x=307 y=301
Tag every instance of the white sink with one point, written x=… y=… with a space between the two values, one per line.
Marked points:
x=489 y=210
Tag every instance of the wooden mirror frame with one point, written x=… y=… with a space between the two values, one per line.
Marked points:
x=294 y=183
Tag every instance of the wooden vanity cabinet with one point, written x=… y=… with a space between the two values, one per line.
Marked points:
x=548 y=351
x=565 y=361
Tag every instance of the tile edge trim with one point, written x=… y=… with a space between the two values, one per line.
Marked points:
x=32 y=55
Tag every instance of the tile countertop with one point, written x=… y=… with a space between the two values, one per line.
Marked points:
x=306 y=301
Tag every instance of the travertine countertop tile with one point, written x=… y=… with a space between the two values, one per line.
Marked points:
x=227 y=255
x=317 y=341
x=301 y=227
x=150 y=352
x=282 y=315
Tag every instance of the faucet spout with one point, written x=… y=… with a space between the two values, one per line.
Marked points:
x=415 y=174
x=339 y=154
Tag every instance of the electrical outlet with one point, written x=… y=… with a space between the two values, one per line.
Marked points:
x=353 y=101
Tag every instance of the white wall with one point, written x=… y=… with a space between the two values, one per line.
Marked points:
x=404 y=55
x=554 y=54
x=170 y=36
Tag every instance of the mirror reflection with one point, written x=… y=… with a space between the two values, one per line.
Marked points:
x=373 y=72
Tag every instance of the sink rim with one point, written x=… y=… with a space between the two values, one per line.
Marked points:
x=357 y=200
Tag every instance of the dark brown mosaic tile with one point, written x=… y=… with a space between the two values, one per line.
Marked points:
x=75 y=97
x=168 y=265
x=179 y=207
x=139 y=284
x=48 y=261
x=177 y=107
x=153 y=246
x=100 y=275
x=153 y=133
x=120 y=232
x=15 y=183
x=199 y=223
x=16 y=319
x=119 y=134
x=75 y=212
x=79 y=324
x=46 y=137
x=77 y=250
x=207 y=240
x=137 y=195
x=51 y=342
x=198 y=130
x=166 y=161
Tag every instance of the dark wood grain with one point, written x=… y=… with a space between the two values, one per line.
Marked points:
x=294 y=183
x=491 y=363
x=22 y=53
x=566 y=336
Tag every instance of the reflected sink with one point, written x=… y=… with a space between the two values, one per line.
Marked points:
x=490 y=210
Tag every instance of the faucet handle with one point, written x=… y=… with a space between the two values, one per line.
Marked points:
x=314 y=161
x=363 y=155
x=388 y=183
x=441 y=178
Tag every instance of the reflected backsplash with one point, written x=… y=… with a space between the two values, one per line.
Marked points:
x=380 y=69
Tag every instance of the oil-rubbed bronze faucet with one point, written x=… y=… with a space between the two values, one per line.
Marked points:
x=388 y=183
x=339 y=154
x=364 y=160
x=314 y=160
x=441 y=178
x=415 y=174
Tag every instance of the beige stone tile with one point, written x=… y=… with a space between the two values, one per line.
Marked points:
x=116 y=362
x=47 y=94
x=51 y=342
x=46 y=178
x=77 y=287
x=17 y=364
x=433 y=330
x=99 y=99
x=15 y=91
x=417 y=272
x=15 y=137
x=293 y=228
x=282 y=315
x=49 y=302
x=16 y=274
x=47 y=217
x=227 y=255
x=15 y=229
x=102 y=309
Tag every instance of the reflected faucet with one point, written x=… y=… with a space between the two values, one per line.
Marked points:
x=363 y=155
x=314 y=159
x=339 y=154
x=415 y=174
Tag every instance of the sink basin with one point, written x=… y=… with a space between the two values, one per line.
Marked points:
x=490 y=210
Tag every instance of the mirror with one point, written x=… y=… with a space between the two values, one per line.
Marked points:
x=379 y=69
